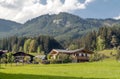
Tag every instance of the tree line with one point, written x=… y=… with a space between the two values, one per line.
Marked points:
x=105 y=38
x=29 y=44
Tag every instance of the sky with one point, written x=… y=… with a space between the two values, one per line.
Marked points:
x=23 y=10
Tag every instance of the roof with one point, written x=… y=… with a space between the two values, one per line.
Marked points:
x=22 y=54
x=72 y=51
x=1 y=53
x=40 y=56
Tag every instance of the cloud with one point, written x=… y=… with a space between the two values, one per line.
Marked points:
x=23 y=10
x=118 y=17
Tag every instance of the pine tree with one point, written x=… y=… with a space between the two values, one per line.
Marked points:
x=27 y=45
x=114 y=41
x=33 y=46
x=100 y=43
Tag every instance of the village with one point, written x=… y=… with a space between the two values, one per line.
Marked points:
x=58 y=55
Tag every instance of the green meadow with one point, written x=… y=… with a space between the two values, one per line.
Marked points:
x=107 y=69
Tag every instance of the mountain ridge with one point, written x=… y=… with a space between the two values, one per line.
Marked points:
x=7 y=26
x=62 y=26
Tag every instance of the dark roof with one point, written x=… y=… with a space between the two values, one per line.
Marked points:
x=22 y=54
x=1 y=53
x=73 y=51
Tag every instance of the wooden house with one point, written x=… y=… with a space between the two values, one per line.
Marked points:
x=42 y=57
x=20 y=57
x=78 y=55
x=1 y=53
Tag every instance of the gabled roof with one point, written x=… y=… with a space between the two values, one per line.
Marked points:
x=1 y=53
x=22 y=54
x=72 y=51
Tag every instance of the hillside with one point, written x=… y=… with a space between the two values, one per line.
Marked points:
x=62 y=26
x=7 y=26
x=104 y=38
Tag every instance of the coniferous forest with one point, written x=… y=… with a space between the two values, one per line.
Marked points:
x=104 y=38
x=29 y=44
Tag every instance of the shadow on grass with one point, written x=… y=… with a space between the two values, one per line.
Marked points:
x=2 y=68
x=26 y=76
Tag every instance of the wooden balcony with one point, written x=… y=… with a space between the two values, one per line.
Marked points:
x=80 y=58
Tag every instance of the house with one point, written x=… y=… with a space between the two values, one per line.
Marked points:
x=20 y=57
x=1 y=53
x=4 y=51
x=78 y=55
x=39 y=58
x=42 y=57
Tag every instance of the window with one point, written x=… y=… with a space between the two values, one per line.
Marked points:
x=80 y=54
x=84 y=54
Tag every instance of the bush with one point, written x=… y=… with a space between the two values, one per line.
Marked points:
x=10 y=58
x=36 y=60
x=97 y=57
x=3 y=58
x=48 y=57
x=118 y=55
x=45 y=62
x=27 y=59
x=55 y=61
x=61 y=58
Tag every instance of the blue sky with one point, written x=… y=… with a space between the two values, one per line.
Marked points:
x=100 y=9
x=23 y=10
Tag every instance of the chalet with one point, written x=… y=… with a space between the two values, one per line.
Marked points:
x=42 y=57
x=2 y=53
x=20 y=56
x=78 y=55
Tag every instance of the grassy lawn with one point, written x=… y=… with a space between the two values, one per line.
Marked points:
x=94 y=70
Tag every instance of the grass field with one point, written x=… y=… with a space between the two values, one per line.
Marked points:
x=93 y=70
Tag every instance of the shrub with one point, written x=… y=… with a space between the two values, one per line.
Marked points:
x=48 y=57
x=61 y=58
x=97 y=57
x=10 y=58
x=118 y=55
x=55 y=61
x=27 y=59
x=45 y=62
x=36 y=60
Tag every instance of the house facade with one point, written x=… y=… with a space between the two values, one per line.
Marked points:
x=78 y=55
x=20 y=56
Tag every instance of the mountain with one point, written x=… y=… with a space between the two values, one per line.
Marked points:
x=62 y=26
x=7 y=26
